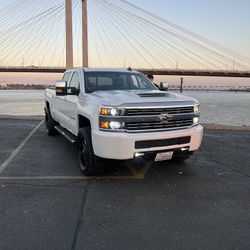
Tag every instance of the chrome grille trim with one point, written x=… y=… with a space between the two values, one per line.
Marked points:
x=158 y=111
x=147 y=119
x=158 y=125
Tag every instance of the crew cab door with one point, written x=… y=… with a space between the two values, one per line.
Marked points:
x=72 y=102
x=60 y=104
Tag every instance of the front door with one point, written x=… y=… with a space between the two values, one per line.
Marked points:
x=72 y=101
x=61 y=104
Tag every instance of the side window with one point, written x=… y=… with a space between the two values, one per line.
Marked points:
x=75 y=81
x=66 y=77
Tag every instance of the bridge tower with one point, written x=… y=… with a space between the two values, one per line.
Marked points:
x=85 y=57
x=69 y=34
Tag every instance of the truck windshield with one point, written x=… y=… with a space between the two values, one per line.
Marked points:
x=104 y=81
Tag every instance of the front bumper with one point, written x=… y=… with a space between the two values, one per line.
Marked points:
x=121 y=146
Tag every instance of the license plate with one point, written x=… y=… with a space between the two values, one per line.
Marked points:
x=164 y=156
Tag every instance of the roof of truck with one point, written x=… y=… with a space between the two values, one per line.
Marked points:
x=104 y=69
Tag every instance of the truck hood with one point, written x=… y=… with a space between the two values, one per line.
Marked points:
x=118 y=97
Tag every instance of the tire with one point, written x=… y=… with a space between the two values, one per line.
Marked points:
x=50 y=124
x=89 y=163
x=181 y=157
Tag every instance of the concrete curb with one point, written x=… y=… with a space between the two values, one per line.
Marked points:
x=22 y=117
x=226 y=127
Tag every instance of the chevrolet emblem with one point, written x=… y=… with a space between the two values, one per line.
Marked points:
x=165 y=117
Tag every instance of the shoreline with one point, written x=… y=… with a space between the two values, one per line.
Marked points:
x=189 y=89
x=210 y=126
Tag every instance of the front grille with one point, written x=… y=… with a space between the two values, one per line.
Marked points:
x=155 y=125
x=158 y=111
x=162 y=143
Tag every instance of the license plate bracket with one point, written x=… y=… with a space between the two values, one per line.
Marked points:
x=164 y=156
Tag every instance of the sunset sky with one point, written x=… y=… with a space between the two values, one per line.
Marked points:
x=224 y=22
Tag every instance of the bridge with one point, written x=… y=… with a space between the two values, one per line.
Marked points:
x=50 y=36
x=173 y=72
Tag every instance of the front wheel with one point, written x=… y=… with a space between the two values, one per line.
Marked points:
x=89 y=163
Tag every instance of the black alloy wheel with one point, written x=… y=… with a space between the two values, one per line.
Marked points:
x=89 y=163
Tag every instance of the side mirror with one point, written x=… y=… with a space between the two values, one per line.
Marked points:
x=62 y=89
x=163 y=86
x=72 y=91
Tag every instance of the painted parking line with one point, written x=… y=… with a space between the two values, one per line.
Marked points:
x=16 y=178
x=137 y=175
x=18 y=149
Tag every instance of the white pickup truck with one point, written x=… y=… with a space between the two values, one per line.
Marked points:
x=119 y=114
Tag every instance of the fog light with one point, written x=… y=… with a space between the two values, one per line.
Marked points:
x=139 y=154
x=115 y=125
x=196 y=120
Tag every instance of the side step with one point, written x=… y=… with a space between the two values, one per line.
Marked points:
x=72 y=138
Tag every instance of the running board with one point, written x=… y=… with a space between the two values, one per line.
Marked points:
x=66 y=134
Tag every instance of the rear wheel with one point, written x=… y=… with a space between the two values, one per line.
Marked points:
x=89 y=163
x=50 y=124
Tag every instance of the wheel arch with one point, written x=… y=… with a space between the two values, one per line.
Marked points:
x=47 y=106
x=83 y=122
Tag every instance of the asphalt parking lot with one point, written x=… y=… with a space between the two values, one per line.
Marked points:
x=47 y=204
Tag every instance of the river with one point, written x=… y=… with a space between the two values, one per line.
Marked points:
x=226 y=108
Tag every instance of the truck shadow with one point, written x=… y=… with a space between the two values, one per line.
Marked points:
x=140 y=167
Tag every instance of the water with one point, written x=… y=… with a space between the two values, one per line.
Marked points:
x=21 y=102
x=227 y=108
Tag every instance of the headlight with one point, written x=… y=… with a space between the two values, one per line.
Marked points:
x=197 y=108
x=111 y=125
x=110 y=111
x=115 y=125
x=111 y=119
x=113 y=112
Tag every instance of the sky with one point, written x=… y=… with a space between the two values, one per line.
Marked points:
x=225 y=22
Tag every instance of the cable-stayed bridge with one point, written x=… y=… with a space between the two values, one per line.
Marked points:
x=153 y=71
x=50 y=35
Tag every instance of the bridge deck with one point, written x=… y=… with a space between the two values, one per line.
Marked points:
x=177 y=72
